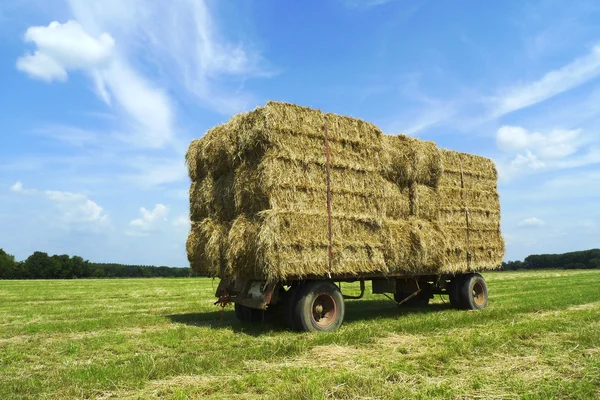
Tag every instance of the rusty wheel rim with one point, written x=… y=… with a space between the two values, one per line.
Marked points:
x=478 y=293
x=324 y=310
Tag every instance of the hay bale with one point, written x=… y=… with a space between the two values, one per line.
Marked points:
x=193 y=159
x=486 y=248
x=242 y=247
x=410 y=160
x=424 y=202
x=468 y=171
x=206 y=246
x=259 y=200
x=296 y=244
x=199 y=201
x=414 y=246
x=213 y=197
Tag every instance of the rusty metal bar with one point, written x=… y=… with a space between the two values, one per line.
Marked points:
x=409 y=297
x=328 y=172
x=362 y=292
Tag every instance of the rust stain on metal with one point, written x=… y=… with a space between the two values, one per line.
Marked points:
x=269 y=292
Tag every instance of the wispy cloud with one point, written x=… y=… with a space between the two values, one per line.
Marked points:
x=147 y=112
x=524 y=95
x=186 y=44
x=72 y=208
x=17 y=187
x=532 y=222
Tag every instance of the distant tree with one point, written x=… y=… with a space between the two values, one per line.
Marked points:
x=594 y=263
x=8 y=266
x=40 y=265
x=512 y=265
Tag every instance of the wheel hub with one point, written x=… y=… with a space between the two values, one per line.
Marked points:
x=478 y=293
x=324 y=310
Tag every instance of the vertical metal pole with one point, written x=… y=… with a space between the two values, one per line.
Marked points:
x=462 y=185
x=327 y=169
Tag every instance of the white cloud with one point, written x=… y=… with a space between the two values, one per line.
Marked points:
x=577 y=72
x=149 y=221
x=532 y=222
x=76 y=207
x=558 y=149
x=73 y=208
x=146 y=109
x=181 y=221
x=185 y=43
x=555 y=144
x=528 y=160
x=64 y=47
x=17 y=187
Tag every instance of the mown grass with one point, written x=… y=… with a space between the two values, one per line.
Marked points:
x=141 y=338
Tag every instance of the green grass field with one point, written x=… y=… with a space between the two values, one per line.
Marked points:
x=138 y=338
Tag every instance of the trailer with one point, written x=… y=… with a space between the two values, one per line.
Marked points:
x=287 y=203
x=318 y=304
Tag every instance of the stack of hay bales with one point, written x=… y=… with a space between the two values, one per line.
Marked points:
x=258 y=200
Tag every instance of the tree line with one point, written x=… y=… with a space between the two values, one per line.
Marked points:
x=40 y=265
x=587 y=259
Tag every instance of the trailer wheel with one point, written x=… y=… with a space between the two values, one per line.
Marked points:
x=472 y=292
x=289 y=307
x=249 y=315
x=453 y=289
x=320 y=307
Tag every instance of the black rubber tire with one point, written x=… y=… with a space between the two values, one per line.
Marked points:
x=249 y=315
x=472 y=292
x=312 y=295
x=420 y=300
x=289 y=307
x=453 y=288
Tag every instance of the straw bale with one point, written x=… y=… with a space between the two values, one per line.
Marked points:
x=284 y=185
x=478 y=218
x=454 y=178
x=250 y=195
x=470 y=166
x=486 y=247
x=258 y=200
x=219 y=150
x=276 y=123
x=307 y=229
x=293 y=262
x=206 y=247
x=294 y=244
x=424 y=202
x=411 y=160
x=199 y=201
x=213 y=197
x=194 y=161
x=414 y=246
x=242 y=247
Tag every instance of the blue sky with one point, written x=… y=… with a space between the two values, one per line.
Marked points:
x=100 y=99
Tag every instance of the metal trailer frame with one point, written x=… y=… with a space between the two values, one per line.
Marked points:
x=418 y=289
